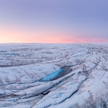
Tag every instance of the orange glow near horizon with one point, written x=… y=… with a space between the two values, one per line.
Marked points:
x=13 y=35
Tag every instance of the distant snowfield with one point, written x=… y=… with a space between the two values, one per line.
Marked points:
x=23 y=65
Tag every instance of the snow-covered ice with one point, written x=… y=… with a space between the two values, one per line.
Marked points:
x=26 y=71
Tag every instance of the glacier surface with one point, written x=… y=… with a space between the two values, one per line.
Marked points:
x=27 y=70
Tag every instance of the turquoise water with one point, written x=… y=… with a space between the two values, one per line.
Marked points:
x=52 y=75
x=9 y=54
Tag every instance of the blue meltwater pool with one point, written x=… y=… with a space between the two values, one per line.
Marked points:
x=52 y=75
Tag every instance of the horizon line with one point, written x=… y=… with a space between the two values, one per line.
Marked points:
x=53 y=43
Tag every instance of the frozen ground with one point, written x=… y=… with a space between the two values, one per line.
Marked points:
x=26 y=71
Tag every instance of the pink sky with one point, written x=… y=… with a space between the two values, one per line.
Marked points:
x=53 y=21
x=17 y=35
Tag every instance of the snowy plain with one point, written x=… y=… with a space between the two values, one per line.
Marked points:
x=23 y=66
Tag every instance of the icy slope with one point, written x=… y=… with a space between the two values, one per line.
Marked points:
x=82 y=84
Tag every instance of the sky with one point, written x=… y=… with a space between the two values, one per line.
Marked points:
x=53 y=21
